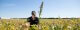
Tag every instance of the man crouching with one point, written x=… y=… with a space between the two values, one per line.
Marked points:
x=33 y=20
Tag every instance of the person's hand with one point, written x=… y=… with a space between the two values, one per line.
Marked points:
x=27 y=24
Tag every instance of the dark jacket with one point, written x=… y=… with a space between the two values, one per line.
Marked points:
x=32 y=22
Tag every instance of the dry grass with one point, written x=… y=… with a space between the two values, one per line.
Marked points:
x=45 y=24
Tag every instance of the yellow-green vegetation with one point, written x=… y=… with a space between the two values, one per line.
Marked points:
x=45 y=24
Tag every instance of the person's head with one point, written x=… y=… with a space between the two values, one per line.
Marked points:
x=33 y=13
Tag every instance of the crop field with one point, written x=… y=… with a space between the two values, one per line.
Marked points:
x=44 y=24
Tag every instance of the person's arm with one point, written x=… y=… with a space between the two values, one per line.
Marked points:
x=37 y=22
x=28 y=22
x=28 y=19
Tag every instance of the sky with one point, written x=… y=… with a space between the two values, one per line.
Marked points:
x=51 y=8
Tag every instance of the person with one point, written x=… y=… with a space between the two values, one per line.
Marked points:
x=33 y=20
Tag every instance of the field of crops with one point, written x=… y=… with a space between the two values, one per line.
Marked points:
x=45 y=24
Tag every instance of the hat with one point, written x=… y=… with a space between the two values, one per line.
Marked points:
x=33 y=12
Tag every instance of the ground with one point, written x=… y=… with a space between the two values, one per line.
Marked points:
x=45 y=24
